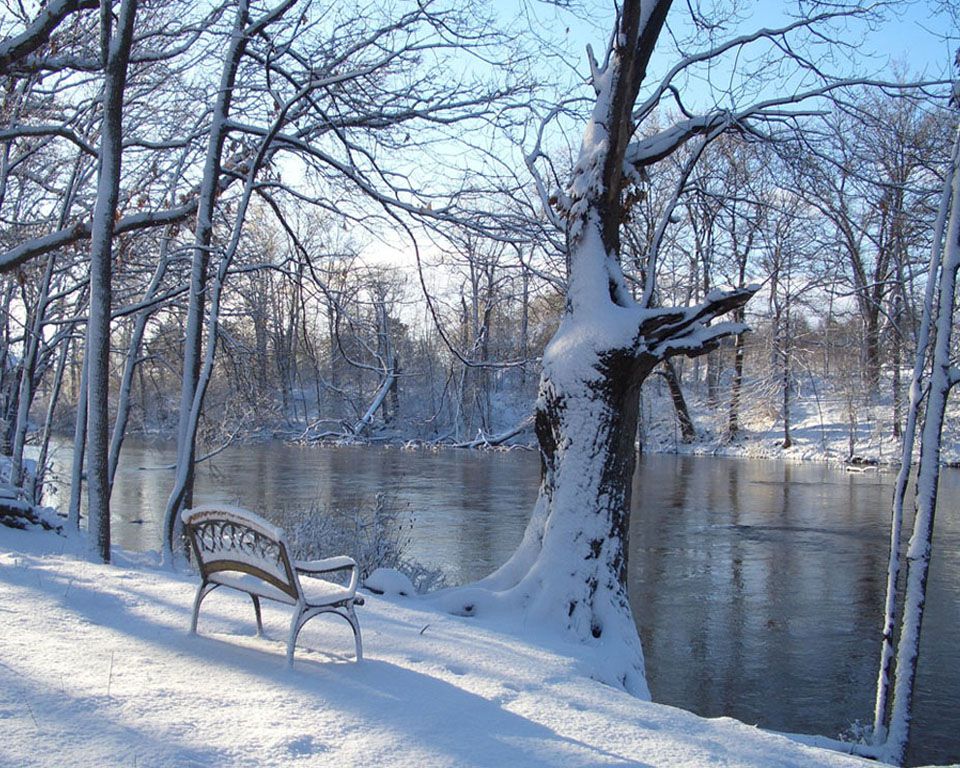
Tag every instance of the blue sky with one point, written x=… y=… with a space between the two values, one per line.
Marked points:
x=912 y=34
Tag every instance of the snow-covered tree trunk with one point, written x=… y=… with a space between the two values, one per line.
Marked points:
x=203 y=236
x=906 y=457
x=116 y=55
x=943 y=377
x=79 y=450
x=194 y=356
x=570 y=570
x=186 y=453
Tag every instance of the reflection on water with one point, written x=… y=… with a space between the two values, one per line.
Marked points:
x=758 y=586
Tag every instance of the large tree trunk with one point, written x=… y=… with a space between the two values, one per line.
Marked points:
x=570 y=571
x=586 y=428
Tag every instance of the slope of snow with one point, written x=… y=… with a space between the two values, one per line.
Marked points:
x=98 y=669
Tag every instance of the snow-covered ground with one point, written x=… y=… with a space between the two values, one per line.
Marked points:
x=98 y=669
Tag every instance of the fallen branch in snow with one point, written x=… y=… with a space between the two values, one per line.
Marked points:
x=365 y=420
x=16 y=513
x=490 y=441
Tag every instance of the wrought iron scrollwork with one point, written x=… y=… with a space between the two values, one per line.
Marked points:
x=220 y=537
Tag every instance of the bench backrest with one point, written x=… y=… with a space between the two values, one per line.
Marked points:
x=228 y=538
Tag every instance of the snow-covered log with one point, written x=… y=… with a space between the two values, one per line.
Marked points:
x=16 y=513
x=388 y=383
x=484 y=440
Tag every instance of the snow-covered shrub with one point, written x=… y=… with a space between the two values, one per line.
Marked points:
x=16 y=509
x=376 y=536
x=387 y=581
x=857 y=733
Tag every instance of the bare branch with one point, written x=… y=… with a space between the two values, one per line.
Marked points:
x=14 y=48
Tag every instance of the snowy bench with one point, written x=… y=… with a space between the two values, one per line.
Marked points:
x=238 y=549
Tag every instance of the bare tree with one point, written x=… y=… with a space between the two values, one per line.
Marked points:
x=570 y=570
x=115 y=53
x=930 y=387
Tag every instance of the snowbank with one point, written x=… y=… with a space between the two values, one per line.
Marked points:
x=98 y=669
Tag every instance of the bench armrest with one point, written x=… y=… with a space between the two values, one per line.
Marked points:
x=328 y=565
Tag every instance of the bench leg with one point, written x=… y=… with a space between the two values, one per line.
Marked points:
x=256 y=610
x=203 y=590
x=296 y=624
x=304 y=614
x=355 y=626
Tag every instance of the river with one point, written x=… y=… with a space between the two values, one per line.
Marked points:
x=757 y=585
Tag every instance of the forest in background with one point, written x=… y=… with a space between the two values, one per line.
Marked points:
x=323 y=336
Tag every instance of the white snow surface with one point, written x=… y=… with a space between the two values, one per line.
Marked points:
x=98 y=669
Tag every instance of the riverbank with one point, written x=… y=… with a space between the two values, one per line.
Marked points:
x=99 y=669
x=824 y=427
